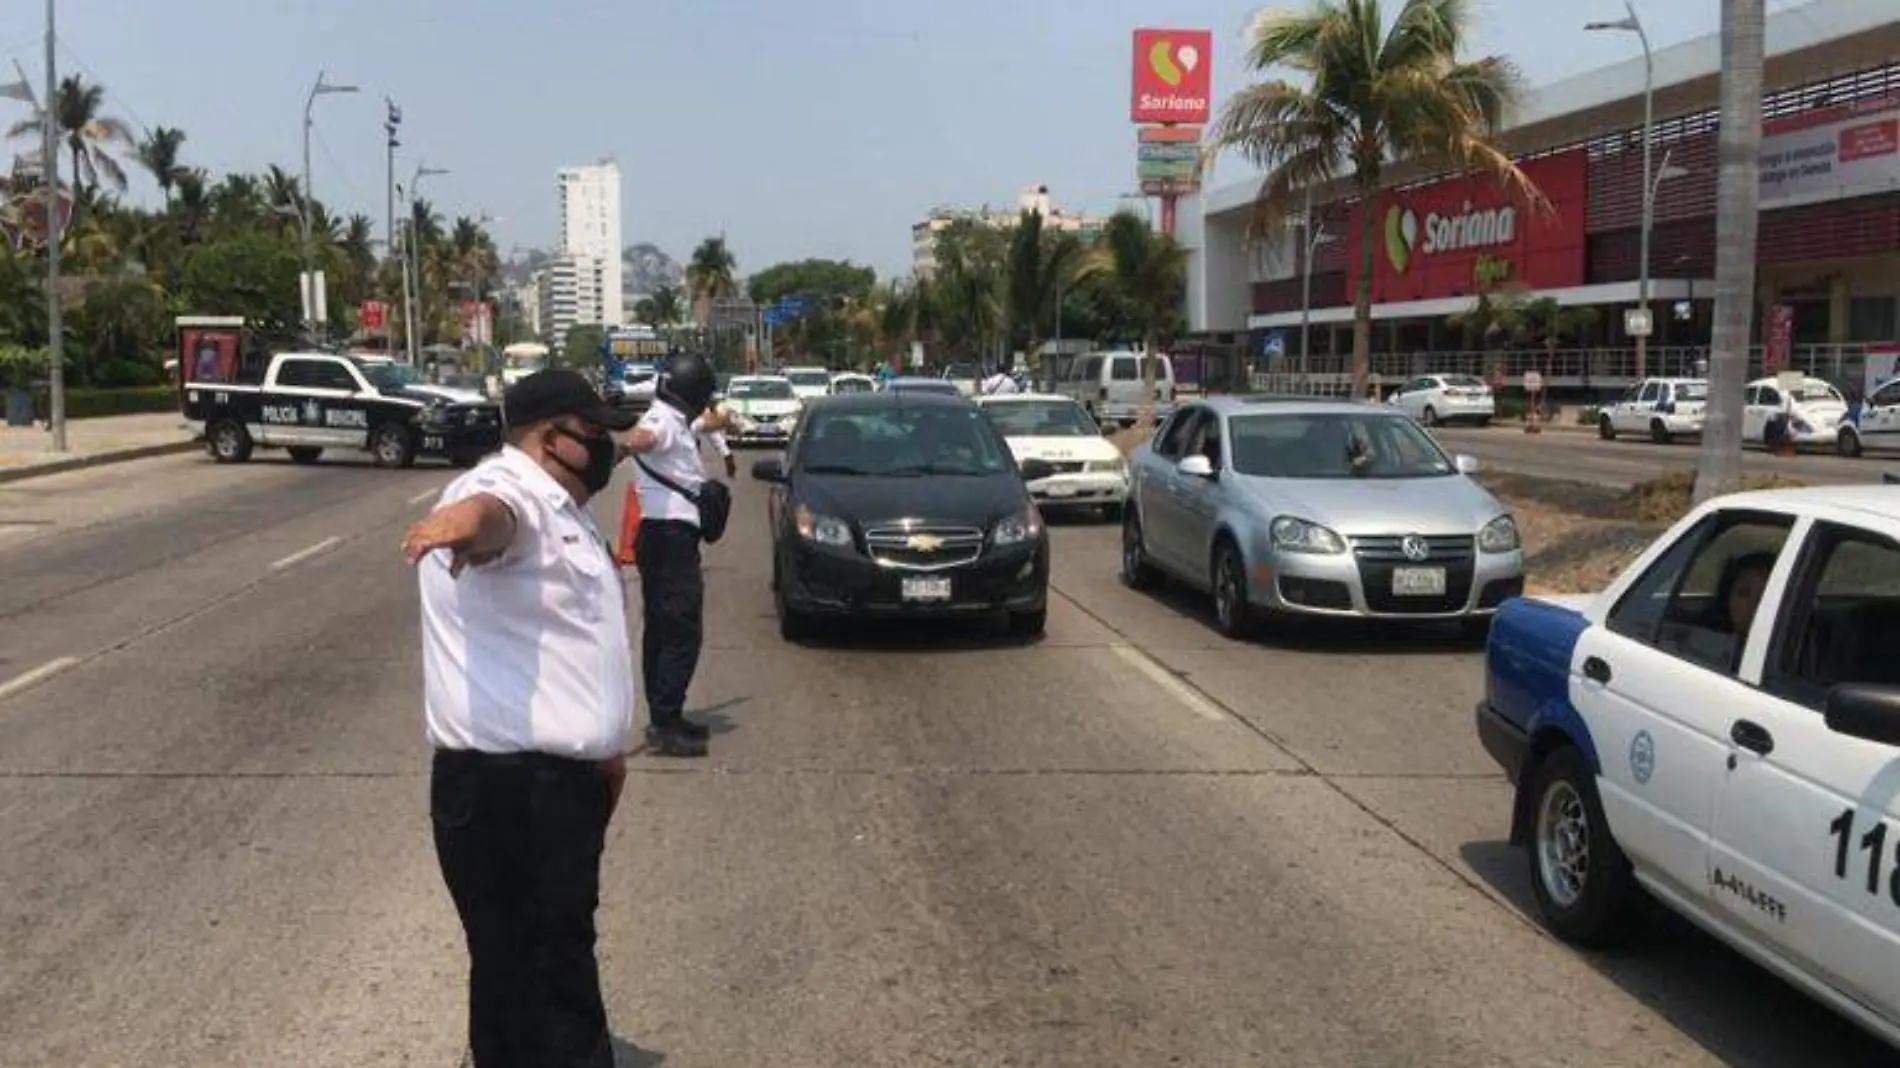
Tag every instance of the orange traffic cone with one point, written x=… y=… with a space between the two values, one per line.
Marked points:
x=629 y=527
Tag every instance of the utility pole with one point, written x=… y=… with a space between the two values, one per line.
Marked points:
x=49 y=167
x=391 y=122
x=311 y=284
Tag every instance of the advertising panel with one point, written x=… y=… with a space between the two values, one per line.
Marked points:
x=1174 y=76
x=372 y=316
x=1434 y=241
x=1168 y=160
x=211 y=355
x=1846 y=150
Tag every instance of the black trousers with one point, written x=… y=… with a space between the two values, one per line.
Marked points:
x=673 y=595
x=519 y=838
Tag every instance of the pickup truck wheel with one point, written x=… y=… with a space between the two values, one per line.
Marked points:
x=1659 y=433
x=1582 y=879
x=1606 y=429
x=391 y=446
x=1137 y=572
x=1848 y=443
x=304 y=454
x=229 y=442
x=1232 y=613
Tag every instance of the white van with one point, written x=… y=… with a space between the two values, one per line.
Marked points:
x=1108 y=384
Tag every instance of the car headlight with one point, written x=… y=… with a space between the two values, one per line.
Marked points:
x=822 y=529
x=1500 y=536
x=433 y=415
x=1295 y=535
x=1019 y=528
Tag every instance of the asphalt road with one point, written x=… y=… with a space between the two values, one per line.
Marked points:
x=1133 y=843
x=1583 y=457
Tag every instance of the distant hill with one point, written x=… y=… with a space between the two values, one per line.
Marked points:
x=644 y=268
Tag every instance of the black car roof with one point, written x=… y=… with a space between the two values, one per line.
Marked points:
x=856 y=402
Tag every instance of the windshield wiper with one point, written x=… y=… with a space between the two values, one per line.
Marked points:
x=833 y=469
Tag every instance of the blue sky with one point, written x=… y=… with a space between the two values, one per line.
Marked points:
x=823 y=128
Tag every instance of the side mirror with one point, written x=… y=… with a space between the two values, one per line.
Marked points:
x=1196 y=466
x=769 y=471
x=1466 y=465
x=1036 y=470
x=1870 y=713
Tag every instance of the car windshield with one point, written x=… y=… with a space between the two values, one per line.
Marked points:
x=809 y=378
x=853 y=385
x=1327 y=445
x=759 y=389
x=390 y=375
x=902 y=441
x=958 y=371
x=1041 y=419
x=1814 y=390
x=1692 y=391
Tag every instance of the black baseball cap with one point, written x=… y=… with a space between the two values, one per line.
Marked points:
x=553 y=393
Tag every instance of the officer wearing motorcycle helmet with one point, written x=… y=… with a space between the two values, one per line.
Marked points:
x=671 y=480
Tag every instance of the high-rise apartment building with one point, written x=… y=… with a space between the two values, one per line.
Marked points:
x=584 y=279
x=1035 y=198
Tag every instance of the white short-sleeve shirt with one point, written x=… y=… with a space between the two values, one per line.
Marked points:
x=528 y=653
x=676 y=455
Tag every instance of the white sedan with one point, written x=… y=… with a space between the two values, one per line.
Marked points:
x=1091 y=472
x=1720 y=731
x=1434 y=400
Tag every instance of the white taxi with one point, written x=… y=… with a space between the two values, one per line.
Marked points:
x=766 y=409
x=1091 y=472
x=1811 y=410
x=1720 y=731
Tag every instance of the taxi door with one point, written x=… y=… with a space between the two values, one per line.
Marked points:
x=1806 y=854
x=1654 y=686
x=1880 y=418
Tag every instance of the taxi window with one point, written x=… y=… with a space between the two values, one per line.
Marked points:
x=1697 y=602
x=1842 y=620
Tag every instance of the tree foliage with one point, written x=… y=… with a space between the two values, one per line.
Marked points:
x=822 y=280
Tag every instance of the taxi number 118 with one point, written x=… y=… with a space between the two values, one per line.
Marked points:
x=1874 y=844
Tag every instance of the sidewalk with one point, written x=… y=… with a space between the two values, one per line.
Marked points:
x=26 y=452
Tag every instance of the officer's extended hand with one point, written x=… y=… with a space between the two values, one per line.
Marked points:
x=474 y=531
x=732 y=467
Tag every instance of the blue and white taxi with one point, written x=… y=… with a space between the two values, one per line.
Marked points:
x=1720 y=731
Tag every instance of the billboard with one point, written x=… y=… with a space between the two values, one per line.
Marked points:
x=1432 y=240
x=1174 y=76
x=1846 y=150
x=1168 y=160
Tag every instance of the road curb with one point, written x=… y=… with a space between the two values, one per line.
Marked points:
x=98 y=459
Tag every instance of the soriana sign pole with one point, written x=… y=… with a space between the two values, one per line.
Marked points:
x=1173 y=85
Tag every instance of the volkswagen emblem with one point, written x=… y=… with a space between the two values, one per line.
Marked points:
x=1414 y=547
x=925 y=543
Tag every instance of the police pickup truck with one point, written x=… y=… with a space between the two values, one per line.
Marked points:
x=307 y=402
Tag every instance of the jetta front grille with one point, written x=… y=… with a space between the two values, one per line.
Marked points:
x=1435 y=548
x=923 y=546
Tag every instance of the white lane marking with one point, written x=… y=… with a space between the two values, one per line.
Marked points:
x=1168 y=681
x=424 y=495
x=301 y=555
x=37 y=675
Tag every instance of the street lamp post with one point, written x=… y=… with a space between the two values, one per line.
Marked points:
x=49 y=167
x=1313 y=236
x=321 y=88
x=413 y=263
x=1634 y=24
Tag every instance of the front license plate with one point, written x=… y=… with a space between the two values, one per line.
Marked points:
x=926 y=589
x=1418 y=582
x=1060 y=490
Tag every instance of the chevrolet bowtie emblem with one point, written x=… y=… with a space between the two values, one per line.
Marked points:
x=925 y=543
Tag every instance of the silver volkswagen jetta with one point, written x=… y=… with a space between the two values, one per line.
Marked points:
x=1295 y=506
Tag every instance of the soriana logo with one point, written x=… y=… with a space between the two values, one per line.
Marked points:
x=1173 y=76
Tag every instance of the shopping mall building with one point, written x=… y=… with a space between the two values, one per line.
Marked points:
x=1829 y=248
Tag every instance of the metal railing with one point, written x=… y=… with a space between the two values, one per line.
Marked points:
x=1569 y=369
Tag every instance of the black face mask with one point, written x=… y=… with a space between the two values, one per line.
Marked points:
x=601 y=454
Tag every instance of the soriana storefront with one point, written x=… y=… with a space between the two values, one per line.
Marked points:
x=1828 y=249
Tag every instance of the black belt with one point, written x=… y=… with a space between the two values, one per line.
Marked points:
x=475 y=758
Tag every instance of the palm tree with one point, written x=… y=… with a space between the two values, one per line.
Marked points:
x=193 y=203
x=158 y=153
x=1372 y=94
x=711 y=274
x=1148 y=271
x=1040 y=264
x=665 y=306
x=90 y=135
x=1737 y=220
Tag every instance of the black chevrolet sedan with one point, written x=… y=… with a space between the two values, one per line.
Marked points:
x=903 y=505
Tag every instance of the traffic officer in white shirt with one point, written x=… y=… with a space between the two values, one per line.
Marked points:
x=999 y=384
x=528 y=697
x=666 y=548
